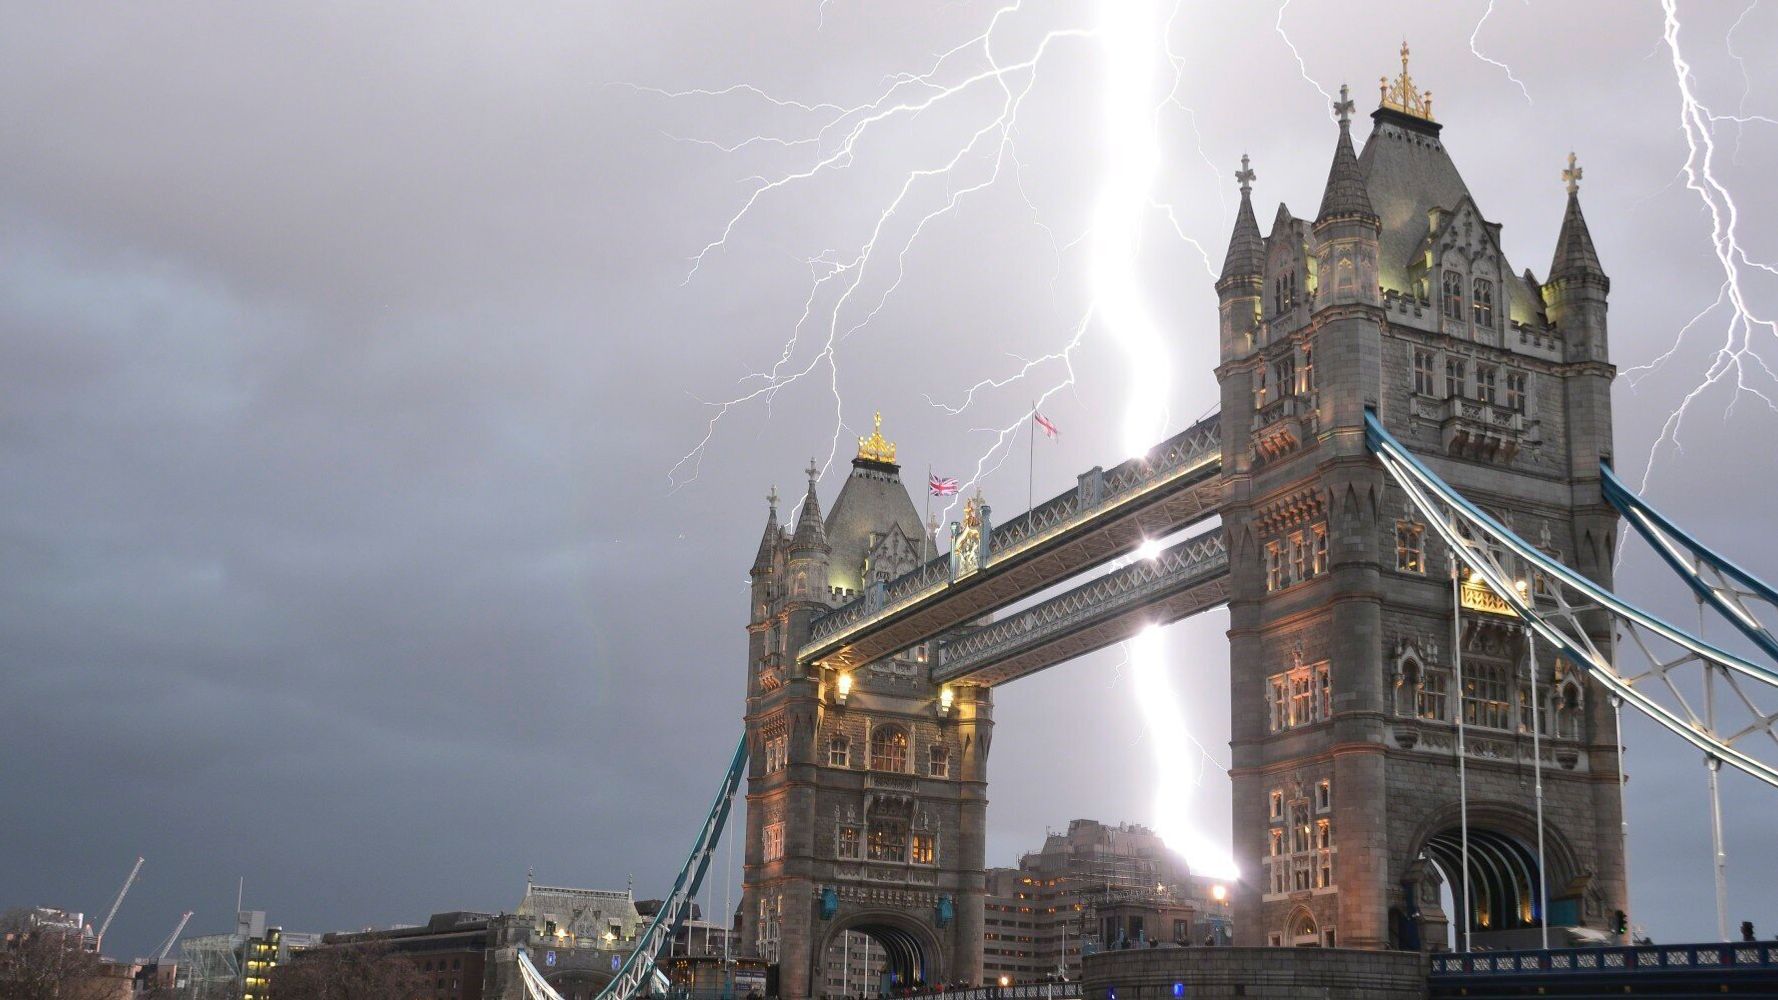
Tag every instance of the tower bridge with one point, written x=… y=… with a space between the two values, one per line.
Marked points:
x=1418 y=523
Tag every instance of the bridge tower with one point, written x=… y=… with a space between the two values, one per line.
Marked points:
x=867 y=794
x=1397 y=297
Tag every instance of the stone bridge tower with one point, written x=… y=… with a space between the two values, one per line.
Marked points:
x=1396 y=297
x=867 y=793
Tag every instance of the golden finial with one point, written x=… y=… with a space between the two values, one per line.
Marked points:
x=1401 y=95
x=875 y=448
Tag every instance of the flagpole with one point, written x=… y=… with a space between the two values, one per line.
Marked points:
x=926 y=522
x=1031 y=462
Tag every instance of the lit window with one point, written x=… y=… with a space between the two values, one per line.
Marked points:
x=1280 y=705
x=1319 y=565
x=774 y=842
x=839 y=752
x=1259 y=388
x=1410 y=547
x=1299 y=557
x=1308 y=367
x=1323 y=834
x=1485 y=701
x=1275 y=567
x=1483 y=302
x=1431 y=700
x=889 y=749
x=1277 y=806
x=1277 y=843
x=888 y=842
x=923 y=851
x=938 y=764
x=1324 y=795
x=848 y=842
x=1425 y=382
x=1284 y=376
x=1452 y=287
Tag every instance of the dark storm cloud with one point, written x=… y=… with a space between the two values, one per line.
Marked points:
x=343 y=353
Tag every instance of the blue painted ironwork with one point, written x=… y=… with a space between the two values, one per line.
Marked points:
x=1615 y=960
x=1675 y=544
x=1469 y=530
x=639 y=969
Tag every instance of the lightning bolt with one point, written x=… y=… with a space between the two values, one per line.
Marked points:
x=1736 y=360
x=1302 y=67
x=1475 y=49
x=848 y=287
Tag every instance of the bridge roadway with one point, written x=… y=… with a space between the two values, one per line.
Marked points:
x=1179 y=582
x=1109 y=514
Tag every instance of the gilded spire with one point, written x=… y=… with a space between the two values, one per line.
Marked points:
x=875 y=448
x=1401 y=94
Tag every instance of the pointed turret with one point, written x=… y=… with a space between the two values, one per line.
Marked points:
x=1247 y=249
x=811 y=532
x=1345 y=196
x=771 y=539
x=1574 y=245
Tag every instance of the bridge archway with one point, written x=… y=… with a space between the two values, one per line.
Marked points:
x=578 y=984
x=1503 y=869
x=912 y=954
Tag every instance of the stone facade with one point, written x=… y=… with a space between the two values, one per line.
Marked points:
x=867 y=790
x=1397 y=298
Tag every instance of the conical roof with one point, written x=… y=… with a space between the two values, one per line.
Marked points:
x=810 y=533
x=1345 y=194
x=1247 y=249
x=771 y=539
x=1574 y=245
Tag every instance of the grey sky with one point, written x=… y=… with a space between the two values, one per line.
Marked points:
x=345 y=350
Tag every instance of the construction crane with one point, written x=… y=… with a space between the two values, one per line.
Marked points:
x=160 y=957
x=99 y=937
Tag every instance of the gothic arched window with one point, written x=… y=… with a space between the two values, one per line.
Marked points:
x=1483 y=303
x=839 y=752
x=889 y=749
x=1452 y=287
x=938 y=763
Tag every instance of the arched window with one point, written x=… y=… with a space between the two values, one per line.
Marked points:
x=1452 y=287
x=1483 y=302
x=938 y=763
x=888 y=840
x=839 y=752
x=889 y=749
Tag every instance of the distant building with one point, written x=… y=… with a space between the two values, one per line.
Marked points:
x=1094 y=887
x=238 y=965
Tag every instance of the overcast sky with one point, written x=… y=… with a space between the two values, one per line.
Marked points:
x=347 y=352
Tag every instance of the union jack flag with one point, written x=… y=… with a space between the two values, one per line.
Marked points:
x=943 y=486
x=1049 y=429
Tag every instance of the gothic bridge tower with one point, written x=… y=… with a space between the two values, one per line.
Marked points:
x=867 y=794
x=1396 y=297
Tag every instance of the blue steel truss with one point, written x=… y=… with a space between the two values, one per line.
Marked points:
x=1489 y=549
x=1717 y=581
x=639 y=969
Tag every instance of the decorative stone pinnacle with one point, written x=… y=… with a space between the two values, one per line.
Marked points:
x=1245 y=175
x=813 y=471
x=1343 y=106
x=772 y=499
x=1572 y=175
x=875 y=448
x=1401 y=94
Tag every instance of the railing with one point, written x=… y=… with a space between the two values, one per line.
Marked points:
x=1026 y=991
x=1134 y=584
x=1096 y=490
x=1627 y=960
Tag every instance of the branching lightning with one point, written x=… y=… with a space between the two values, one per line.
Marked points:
x=1476 y=50
x=1736 y=360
